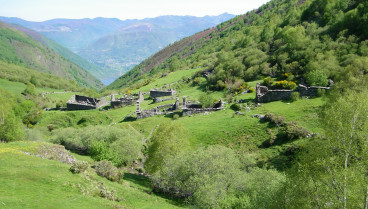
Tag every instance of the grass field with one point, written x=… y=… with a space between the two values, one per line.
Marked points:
x=28 y=181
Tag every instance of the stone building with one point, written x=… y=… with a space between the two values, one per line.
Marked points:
x=126 y=100
x=263 y=94
x=78 y=102
x=162 y=93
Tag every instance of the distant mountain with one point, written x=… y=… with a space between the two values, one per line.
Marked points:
x=116 y=45
x=29 y=49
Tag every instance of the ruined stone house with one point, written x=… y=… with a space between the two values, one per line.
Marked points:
x=263 y=94
x=126 y=100
x=162 y=93
x=78 y=102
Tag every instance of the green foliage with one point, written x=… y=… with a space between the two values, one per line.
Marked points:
x=24 y=75
x=206 y=100
x=30 y=89
x=284 y=84
x=168 y=141
x=108 y=170
x=79 y=167
x=316 y=78
x=235 y=107
x=336 y=163
x=293 y=131
x=211 y=178
x=10 y=124
x=295 y=96
x=25 y=53
x=275 y=119
x=120 y=146
x=267 y=81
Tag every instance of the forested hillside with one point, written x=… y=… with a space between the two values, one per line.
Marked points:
x=307 y=39
x=31 y=52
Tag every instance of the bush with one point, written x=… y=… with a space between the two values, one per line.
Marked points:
x=284 y=84
x=30 y=89
x=267 y=81
x=78 y=167
x=277 y=120
x=108 y=170
x=167 y=141
x=235 y=107
x=251 y=90
x=175 y=116
x=203 y=176
x=321 y=92
x=293 y=131
x=206 y=100
x=120 y=146
x=316 y=78
x=295 y=96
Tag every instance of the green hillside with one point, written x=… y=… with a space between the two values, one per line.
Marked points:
x=20 y=49
x=298 y=37
x=299 y=152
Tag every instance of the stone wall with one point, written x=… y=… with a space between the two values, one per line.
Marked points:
x=126 y=100
x=78 y=102
x=162 y=93
x=263 y=94
x=191 y=111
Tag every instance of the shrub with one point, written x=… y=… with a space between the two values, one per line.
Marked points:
x=277 y=120
x=251 y=90
x=316 y=78
x=167 y=141
x=30 y=89
x=267 y=81
x=321 y=92
x=295 y=96
x=175 y=116
x=78 y=167
x=293 y=131
x=235 y=107
x=284 y=84
x=205 y=175
x=108 y=170
x=206 y=100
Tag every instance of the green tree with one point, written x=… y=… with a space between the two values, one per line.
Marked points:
x=30 y=89
x=333 y=171
x=167 y=141
x=206 y=100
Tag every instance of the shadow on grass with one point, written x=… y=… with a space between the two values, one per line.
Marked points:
x=128 y=119
x=138 y=179
x=145 y=182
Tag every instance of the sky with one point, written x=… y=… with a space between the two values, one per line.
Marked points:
x=40 y=10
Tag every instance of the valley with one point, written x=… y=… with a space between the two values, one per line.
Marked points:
x=263 y=110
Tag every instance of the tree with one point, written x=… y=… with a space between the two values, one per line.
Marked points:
x=333 y=171
x=206 y=100
x=10 y=124
x=167 y=141
x=30 y=89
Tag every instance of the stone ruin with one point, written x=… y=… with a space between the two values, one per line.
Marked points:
x=78 y=102
x=162 y=93
x=188 y=108
x=263 y=94
x=126 y=100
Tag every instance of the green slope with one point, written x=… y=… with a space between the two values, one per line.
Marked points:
x=32 y=182
x=19 y=48
x=286 y=36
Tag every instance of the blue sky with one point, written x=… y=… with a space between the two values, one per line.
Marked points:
x=40 y=10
